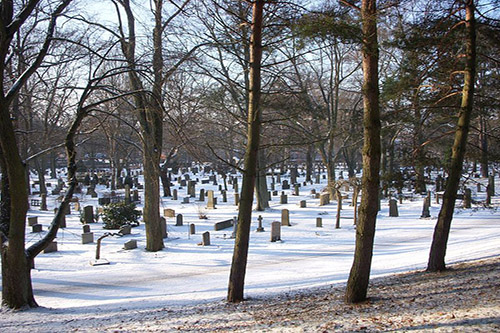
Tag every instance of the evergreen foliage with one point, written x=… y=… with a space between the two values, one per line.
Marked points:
x=118 y=214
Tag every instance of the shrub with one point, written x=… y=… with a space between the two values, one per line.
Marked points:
x=119 y=214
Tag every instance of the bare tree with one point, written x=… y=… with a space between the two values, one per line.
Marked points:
x=17 y=291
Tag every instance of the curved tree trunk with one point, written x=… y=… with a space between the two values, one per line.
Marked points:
x=240 y=254
x=359 y=276
x=441 y=232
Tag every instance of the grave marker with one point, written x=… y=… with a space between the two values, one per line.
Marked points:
x=275 y=231
x=260 y=228
x=130 y=245
x=169 y=212
x=205 y=238
x=393 y=208
x=285 y=217
x=179 y=220
x=52 y=247
x=211 y=200
x=88 y=214
x=283 y=198
x=87 y=237
x=319 y=222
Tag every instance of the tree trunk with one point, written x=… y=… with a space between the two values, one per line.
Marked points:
x=309 y=163
x=359 y=276
x=16 y=282
x=240 y=254
x=441 y=231
x=151 y=211
x=484 y=147
x=4 y=199
x=261 y=183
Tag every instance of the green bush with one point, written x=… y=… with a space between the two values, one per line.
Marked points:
x=116 y=215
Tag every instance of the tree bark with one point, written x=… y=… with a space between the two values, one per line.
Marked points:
x=359 y=276
x=261 y=183
x=441 y=231
x=240 y=254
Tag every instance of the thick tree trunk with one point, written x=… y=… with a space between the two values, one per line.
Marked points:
x=441 y=232
x=151 y=211
x=240 y=254
x=359 y=276
x=4 y=198
x=16 y=282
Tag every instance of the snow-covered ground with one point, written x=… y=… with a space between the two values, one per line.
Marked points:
x=186 y=273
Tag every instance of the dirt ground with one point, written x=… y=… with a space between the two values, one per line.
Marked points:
x=466 y=298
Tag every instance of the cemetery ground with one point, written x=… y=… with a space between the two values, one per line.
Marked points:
x=293 y=284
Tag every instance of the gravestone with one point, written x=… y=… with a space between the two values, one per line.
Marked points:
x=135 y=196
x=278 y=178
x=32 y=220
x=235 y=185
x=179 y=220
x=223 y=224
x=426 y=209
x=224 y=196
x=211 y=200
x=283 y=198
x=275 y=193
x=318 y=179
x=36 y=228
x=192 y=188
x=127 y=194
x=324 y=199
x=260 y=228
x=192 y=229
x=393 y=208
x=319 y=222
x=185 y=200
x=125 y=229
x=52 y=247
x=313 y=191
x=88 y=214
x=86 y=228
x=296 y=189
x=205 y=238
x=275 y=231
x=169 y=212
x=285 y=217
x=77 y=206
x=285 y=185
x=174 y=194
x=130 y=245
x=236 y=199
x=302 y=204
x=163 y=227
x=87 y=237
x=202 y=195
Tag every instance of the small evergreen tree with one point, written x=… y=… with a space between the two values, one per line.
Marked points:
x=118 y=214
